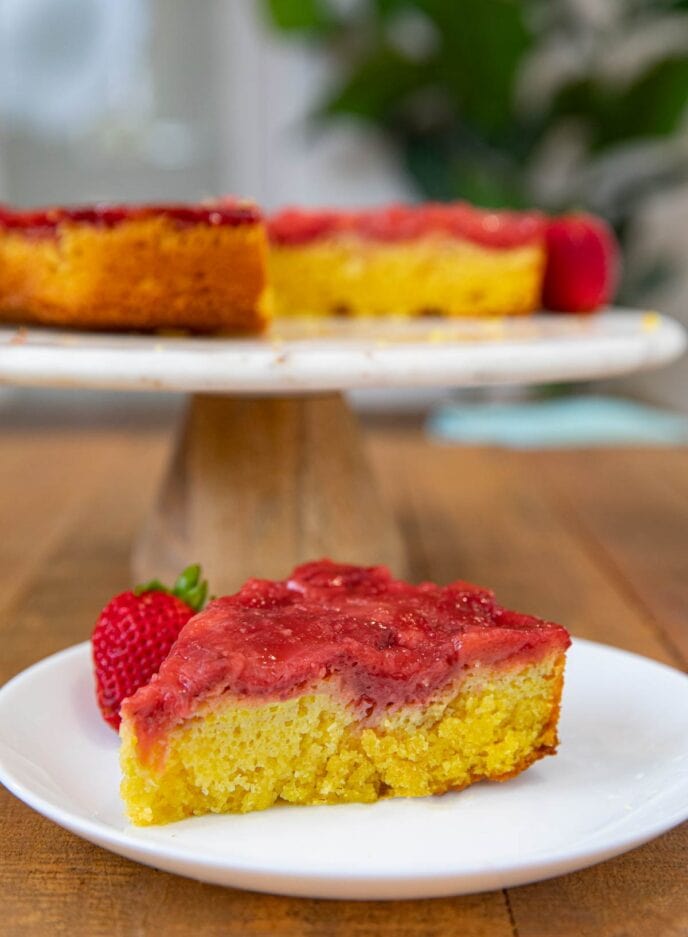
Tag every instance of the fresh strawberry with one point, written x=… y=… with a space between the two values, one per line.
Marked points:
x=582 y=264
x=134 y=634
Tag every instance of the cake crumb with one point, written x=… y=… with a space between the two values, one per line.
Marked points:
x=650 y=321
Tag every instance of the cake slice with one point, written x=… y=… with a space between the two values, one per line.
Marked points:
x=340 y=684
x=200 y=268
x=432 y=259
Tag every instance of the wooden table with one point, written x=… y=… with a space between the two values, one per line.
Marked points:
x=596 y=540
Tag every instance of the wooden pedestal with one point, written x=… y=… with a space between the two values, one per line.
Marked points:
x=257 y=485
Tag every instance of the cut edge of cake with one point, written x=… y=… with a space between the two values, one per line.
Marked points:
x=196 y=268
x=442 y=260
x=314 y=748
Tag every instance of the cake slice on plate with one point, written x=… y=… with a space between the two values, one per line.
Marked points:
x=340 y=684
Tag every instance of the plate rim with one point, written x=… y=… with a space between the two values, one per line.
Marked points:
x=521 y=871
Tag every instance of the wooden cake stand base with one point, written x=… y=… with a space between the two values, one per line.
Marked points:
x=259 y=484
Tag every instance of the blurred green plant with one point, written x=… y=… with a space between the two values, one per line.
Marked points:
x=552 y=103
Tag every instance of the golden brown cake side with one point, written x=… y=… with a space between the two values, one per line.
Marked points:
x=145 y=272
x=315 y=748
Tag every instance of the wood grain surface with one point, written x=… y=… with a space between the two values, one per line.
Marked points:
x=597 y=540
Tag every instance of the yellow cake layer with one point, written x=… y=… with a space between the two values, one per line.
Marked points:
x=430 y=275
x=314 y=749
x=147 y=273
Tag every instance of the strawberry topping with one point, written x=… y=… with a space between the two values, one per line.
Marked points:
x=220 y=212
x=496 y=229
x=385 y=642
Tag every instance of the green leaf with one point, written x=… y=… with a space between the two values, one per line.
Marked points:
x=652 y=106
x=477 y=184
x=428 y=164
x=196 y=597
x=483 y=44
x=187 y=579
x=390 y=7
x=190 y=588
x=295 y=15
x=154 y=585
x=377 y=85
x=456 y=167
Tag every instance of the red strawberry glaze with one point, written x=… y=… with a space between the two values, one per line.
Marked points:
x=495 y=229
x=387 y=641
x=46 y=221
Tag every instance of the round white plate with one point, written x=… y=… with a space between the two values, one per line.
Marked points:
x=311 y=354
x=620 y=778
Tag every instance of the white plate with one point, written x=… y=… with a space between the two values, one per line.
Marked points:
x=313 y=354
x=620 y=778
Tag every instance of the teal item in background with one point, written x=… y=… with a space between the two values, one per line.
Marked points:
x=560 y=423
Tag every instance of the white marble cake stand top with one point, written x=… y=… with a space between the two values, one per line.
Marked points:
x=299 y=355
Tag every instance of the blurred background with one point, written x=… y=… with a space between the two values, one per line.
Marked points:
x=551 y=103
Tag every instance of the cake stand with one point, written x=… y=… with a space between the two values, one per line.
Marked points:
x=268 y=468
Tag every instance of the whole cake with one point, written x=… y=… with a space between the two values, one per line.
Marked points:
x=209 y=267
x=432 y=259
x=193 y=267
x=340 y=684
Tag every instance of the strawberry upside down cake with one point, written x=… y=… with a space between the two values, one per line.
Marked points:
x=209 y=267
x=340 y=684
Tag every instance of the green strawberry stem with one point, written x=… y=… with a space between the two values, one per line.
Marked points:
x=189 y=587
